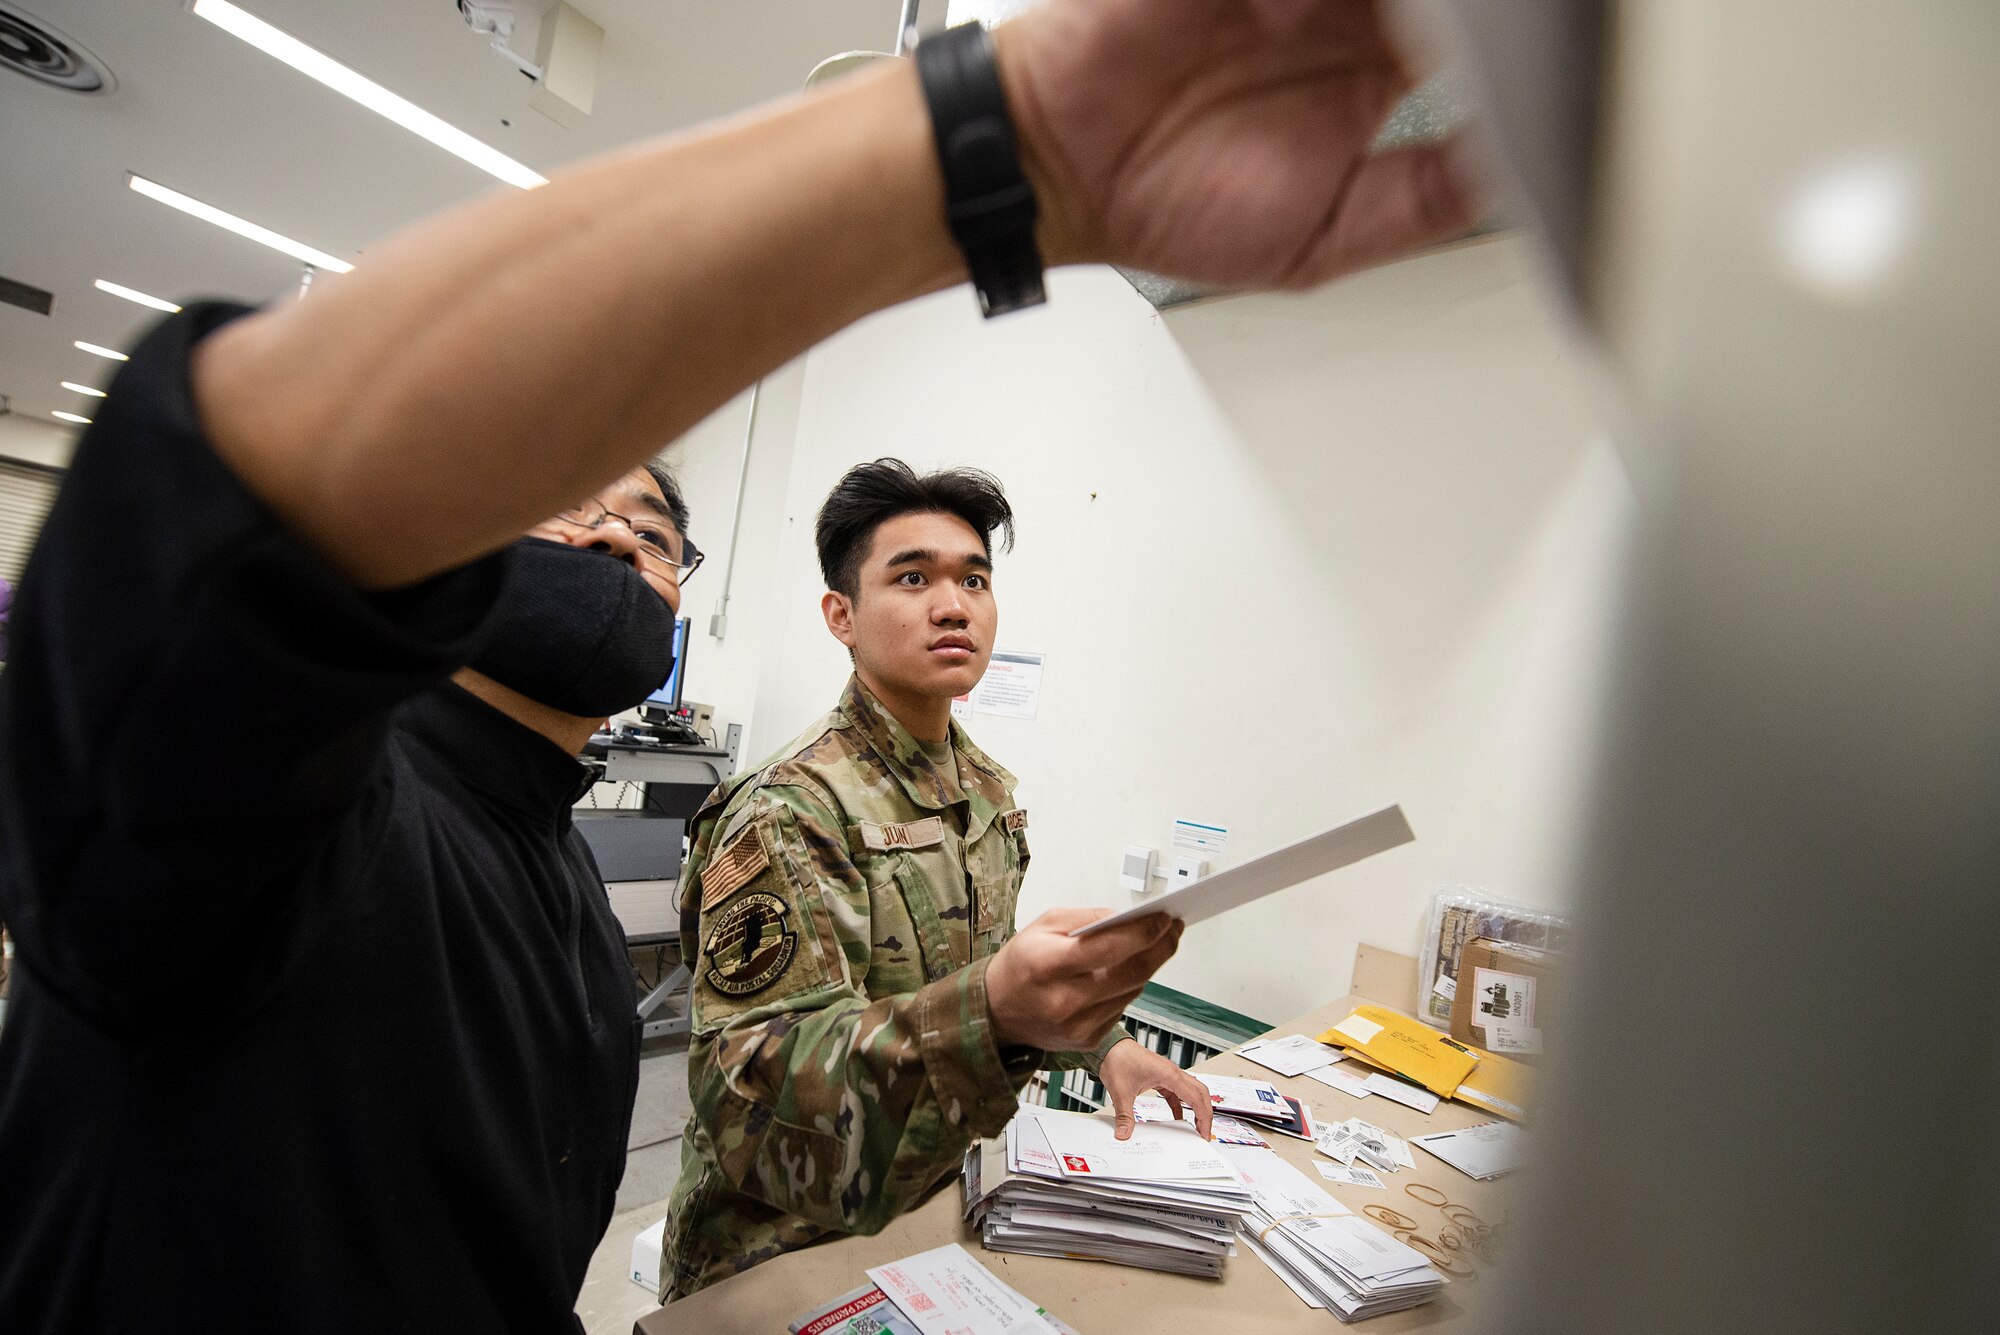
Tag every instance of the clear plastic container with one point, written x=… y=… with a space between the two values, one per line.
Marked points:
x=1462 y=913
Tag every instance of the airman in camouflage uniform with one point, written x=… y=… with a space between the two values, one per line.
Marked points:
x=839 y=909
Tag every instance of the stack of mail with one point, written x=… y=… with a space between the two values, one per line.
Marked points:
x=1062 y=1184
x=1261 y=1101
x=1379 y=1037
x=1223 y=1129
x=1327 y=1255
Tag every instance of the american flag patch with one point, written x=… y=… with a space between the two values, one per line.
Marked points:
x=732 y=868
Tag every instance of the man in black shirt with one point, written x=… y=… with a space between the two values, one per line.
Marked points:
x=320 y=1018
x=322 y=1004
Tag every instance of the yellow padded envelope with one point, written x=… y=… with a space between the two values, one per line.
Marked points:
x=1408 y=1047
x=1498 y=1085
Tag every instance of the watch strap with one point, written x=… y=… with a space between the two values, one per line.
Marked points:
x=989 y=202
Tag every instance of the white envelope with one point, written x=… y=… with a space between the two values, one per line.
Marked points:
x=946 y=1292
x=1280 y=869
x=1344 y=1081
x=1358 y=1247
x=1234 y=1094
x=1389 y=1087
x=1293 y=1055
x=1028 y=1149
x=1221 y=1126
x=1280 y=1189
x=1481 y=1152
x=1089 y=1147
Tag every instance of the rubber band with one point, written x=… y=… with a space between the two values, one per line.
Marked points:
x=1449 y=1264
x=1466 y=1219
x=1442 y=1202
x=1263 y=1232
x=1382 y=1214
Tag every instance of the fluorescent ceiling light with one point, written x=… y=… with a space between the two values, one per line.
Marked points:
x=85 y=389
x=133 y=294
x=71 y=417
x=262 y=235
x=367 y=92
x=102 y=352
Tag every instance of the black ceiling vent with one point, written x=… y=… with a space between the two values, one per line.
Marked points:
x=27 y=298
x=30 y=46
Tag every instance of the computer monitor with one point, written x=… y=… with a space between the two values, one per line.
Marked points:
x=668 y=698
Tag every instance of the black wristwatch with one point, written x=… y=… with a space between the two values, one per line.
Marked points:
x=988 y=201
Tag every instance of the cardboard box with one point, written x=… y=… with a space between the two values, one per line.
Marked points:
x=646 y=1249
x=1503 y=998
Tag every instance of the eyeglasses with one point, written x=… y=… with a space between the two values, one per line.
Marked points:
x=659 y=544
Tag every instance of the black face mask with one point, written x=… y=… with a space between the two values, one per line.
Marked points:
x=579 y=631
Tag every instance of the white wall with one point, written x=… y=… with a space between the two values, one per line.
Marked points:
x=708 y=462
x=35 y=442
x=1289 y=558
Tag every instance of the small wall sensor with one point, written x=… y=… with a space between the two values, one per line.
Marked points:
x=1137 y=868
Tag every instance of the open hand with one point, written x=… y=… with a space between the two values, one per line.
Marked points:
x=1222 y=141
x=1131 y=1068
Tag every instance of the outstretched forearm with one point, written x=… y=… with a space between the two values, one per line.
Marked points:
x=485 y=368
x=482 y=371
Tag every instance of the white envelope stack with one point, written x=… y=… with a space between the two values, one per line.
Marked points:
x=1062 y=1184
x=1328 y=1255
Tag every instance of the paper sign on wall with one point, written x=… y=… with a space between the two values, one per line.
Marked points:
x=1010 y=689
x=1200 y=838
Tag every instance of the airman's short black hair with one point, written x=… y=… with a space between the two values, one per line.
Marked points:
x=870 y=495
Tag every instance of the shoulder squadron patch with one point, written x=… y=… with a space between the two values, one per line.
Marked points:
x=732 y=869
x=1015 y=821
x=750 y=946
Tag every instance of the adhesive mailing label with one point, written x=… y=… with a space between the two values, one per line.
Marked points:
x=1359 y=1028
x=1520 y=1038
x=1350 y=1177
x=1502 y=998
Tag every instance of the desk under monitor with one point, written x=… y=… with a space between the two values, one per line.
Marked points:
x=639 y=851
x=1097 y=1298
x=704 y=766
x=677 y=779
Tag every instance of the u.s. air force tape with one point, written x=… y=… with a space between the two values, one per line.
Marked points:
x=750 y=946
